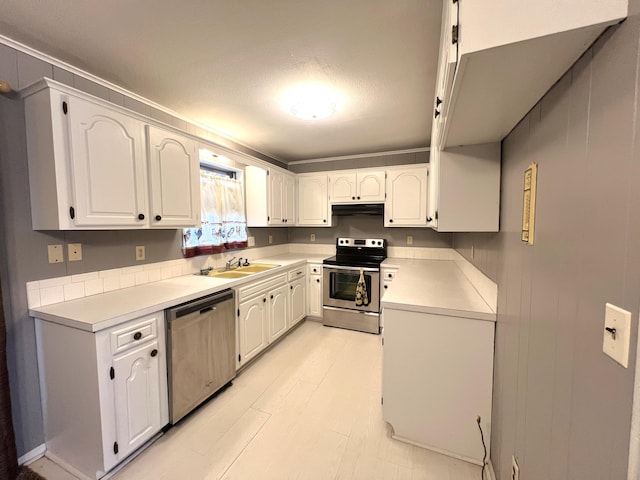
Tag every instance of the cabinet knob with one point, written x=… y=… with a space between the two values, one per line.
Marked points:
x=291 y=287
x=389 y=275
x=353 y=198
x=158 y=218
x=324 y=220
x=358 y=197
x=391 y=220
x=318 y=280
x=386 y=286
x=141 y=216
x=154 y=352
x=271 y=297
x=264 y=300
x=429 y=219
x=436 y=114
x=137 y=335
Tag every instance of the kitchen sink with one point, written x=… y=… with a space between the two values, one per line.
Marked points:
x=257 y=267
x=241 y=272
x=229 y=274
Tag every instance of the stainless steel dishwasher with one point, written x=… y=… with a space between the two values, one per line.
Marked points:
x=201 y=337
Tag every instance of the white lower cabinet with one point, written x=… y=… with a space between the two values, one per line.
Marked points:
x=436 y=406
x=263 y=315
x=297 y=294
x=105 y=392
x=314 y=290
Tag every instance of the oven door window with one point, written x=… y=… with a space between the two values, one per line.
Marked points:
x=343 y=285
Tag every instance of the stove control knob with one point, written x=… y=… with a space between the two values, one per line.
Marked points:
x=379 y=243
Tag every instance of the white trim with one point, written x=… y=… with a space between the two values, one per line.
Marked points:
x=633 y=467
x=360 y=155
x=32 y=455
x=112 y=86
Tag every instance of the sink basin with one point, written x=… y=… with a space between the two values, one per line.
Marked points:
x=257 y=267
x=229 y=274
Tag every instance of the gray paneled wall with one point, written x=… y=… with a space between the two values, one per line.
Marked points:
x=361 y=162
x=560 y=405
x=24 y=252
x=371 y=227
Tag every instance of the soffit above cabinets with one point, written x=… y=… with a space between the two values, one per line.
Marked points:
x=228 y=65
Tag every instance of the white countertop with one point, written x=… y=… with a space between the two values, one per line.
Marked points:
x=102 y=311
x=433 y=286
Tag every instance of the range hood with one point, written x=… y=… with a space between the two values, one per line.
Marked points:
x=358 y=209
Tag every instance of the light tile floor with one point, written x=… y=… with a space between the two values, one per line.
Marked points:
x=308 y=409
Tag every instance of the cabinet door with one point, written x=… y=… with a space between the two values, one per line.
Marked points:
x=406 y=203
x=298 y=300
x=313 y=202
x=108 y=166
x=289 y=200
x=314 y=296
x=371 y=187
x=252 y=328
x=278 y=312
x=276 y=195
x=137 y=396
x=174 y=179
x=343 y=188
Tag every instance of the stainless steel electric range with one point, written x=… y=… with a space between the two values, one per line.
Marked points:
x=341 y=273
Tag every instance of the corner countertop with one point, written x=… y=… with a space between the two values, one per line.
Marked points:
x=433 y=286
x=105 y=310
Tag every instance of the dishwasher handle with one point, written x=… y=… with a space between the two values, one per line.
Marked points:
x=202 y=305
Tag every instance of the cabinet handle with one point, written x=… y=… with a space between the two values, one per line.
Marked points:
x=271 y=297
x=154 y=352
x=436 y=114
x=438 y=101
x=65 y=108
x=137 y=335
x=291 y=287
x=429 y=219
x=141 y=216
x=158 y=218
x=264 y=300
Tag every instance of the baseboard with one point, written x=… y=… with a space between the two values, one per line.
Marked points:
x=33 y=455
x=489 y=472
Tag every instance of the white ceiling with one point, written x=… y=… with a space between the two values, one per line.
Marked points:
x=227 y=64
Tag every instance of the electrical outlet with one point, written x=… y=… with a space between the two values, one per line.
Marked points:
x=74 y=252
x=409 y=239
x=251 y=241
x=313 y=237
x=617 y=333
x=140 y=252
x=56 y=255
x=270 y=239
x=515 y=469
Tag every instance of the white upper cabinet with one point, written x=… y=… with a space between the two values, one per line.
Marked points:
x=406 y=204
x=270 y=197
x=89 y=170
x=464 y=189
x=354 y=187
x=496 y=43
x=174 y=179
x=313 y=201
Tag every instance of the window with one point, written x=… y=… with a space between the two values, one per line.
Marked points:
x=224 y=223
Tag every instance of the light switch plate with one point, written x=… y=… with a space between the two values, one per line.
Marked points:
x=409 y=239
x=617 y=334
x=251 y=241
x=55 y=253
x=74 y=252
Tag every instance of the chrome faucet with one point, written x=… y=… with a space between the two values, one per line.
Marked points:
x=229 y=262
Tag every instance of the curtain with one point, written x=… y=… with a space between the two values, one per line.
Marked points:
x=224 y=224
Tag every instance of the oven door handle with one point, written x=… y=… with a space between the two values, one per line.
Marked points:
x=359 y=312
x=351 y=269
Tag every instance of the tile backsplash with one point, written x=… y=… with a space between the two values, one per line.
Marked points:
x=71 y=287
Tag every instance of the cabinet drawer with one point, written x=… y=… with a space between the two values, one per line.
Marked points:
x=257 y=288
x=315 y=269
x=129 y=335
x=388 y=275
x=297 y=273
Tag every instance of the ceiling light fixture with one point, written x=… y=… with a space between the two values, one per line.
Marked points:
x=312 y=102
